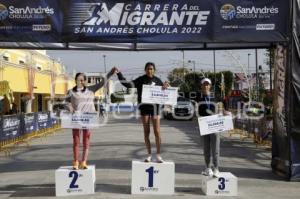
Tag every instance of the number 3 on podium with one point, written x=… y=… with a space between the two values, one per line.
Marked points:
x=222 y=183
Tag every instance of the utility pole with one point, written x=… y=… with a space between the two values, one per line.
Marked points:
x=183 y=71
x=256 y=71
x=270 y=65
x=104 y=60
x=106 y=83
x=214 y=58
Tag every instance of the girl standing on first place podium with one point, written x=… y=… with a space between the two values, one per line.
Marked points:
x=81 y=99
x=148 y=111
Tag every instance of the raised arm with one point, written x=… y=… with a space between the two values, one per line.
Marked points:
x=124 y=82
x=103 y=81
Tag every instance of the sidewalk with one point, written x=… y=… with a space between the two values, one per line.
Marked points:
x=29 y=172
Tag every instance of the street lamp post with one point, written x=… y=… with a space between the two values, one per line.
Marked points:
x=257 y=76
x=249 y=76
x=104 y=60
x=215 y=75
x=183 y=72
x=260 y=80
x=106 y=85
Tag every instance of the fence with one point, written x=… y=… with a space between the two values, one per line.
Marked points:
x=20 y=128
x=260 y=130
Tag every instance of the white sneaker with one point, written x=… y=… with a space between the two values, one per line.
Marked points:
x=216 y=173
x=159 y=159
x=148 y=159
x=207 y=172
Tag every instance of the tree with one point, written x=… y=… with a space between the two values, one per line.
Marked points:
x=192 y=80
x=216 y=82
x=177 y=75
x=270 y=53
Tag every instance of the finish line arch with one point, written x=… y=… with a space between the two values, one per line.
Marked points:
x=174 y=25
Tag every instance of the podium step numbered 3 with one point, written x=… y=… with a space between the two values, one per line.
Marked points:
x=153 y=178
x=75 y=182
x=225 y=185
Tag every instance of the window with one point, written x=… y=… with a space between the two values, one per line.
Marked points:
x=39 y=68
x=5 y=58
x=21 y=62
x=89 y=80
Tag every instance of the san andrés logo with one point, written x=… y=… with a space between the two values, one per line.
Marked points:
x=253 y=9
x=229 y=12
x=26 y=12
x=30 y=10
x=3 y=12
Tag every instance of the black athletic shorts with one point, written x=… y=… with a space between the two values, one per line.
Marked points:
x=149 y=109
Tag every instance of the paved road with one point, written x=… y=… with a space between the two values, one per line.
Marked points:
x=29 y=172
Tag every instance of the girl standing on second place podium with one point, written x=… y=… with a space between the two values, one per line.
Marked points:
x=81 y=98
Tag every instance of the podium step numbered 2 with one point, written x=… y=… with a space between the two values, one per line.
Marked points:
x=75 y=182
x=225 y=185
x=153 y=178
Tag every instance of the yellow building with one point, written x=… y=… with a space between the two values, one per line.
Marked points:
x=34 y=79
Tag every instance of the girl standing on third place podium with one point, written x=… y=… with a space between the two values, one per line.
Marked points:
x=81 y=98
x=211 y=142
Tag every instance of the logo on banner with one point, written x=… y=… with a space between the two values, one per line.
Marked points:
x=24 y=12
x=228 y=12
x=42 y=117
x=123 y=18
x=98 y=14
x=3 y=12
x=128 y=14
x=10 y=123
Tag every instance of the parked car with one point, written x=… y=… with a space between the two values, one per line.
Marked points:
x=255 y=109
x=184 y=109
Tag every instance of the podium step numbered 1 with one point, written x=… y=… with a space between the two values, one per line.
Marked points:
x=153 y=178
x=225 y=185
x=75 y=182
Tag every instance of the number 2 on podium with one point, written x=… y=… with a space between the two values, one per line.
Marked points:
x=74 y=175
x=150 y=172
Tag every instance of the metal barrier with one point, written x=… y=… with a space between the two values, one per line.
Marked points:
x=257 y=129
x=21 y=128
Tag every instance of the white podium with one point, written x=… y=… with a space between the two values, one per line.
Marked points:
x=75 y=182
x=151 y=178
x=225 y=185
